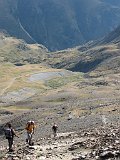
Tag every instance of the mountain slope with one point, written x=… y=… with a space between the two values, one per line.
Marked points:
x=74 y=101
x=18 y=51
x=102 y=56
x=113 y=37
x=58 y=24
x=9 y=20
x=113 y=2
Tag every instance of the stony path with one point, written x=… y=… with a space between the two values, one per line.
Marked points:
x=48 y=149
x=97 y=144
x=9 y=85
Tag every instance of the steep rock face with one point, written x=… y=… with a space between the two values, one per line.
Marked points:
x=50 y=22
x=59 y=24
x=9 y=20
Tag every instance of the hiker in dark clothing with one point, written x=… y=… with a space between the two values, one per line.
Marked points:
x=10 y=133
x=54 y=129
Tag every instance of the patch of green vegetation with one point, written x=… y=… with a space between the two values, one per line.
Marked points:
x=16 y=108
x=59 y=82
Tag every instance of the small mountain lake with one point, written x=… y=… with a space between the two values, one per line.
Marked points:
x=42 y=76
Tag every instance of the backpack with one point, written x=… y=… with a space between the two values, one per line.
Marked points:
x=8 y=133
x=30 y=126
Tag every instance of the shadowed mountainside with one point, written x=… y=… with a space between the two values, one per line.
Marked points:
x=102 y=55
x=58 y=24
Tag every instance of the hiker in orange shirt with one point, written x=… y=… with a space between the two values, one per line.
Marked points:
x=30 y=131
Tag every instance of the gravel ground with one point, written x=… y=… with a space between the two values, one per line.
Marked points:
x=89 y=144
x=91 y=106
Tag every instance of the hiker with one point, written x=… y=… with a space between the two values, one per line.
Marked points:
x=10 y=133
x=30 y=131
x=54 y=129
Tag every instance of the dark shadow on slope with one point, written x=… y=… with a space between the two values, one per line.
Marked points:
x=19 y=64
x=86 y=66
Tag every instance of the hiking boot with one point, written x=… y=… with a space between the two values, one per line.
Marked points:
x=11 y=150
x=31 y=144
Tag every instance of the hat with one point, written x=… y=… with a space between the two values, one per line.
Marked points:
x=32 y=121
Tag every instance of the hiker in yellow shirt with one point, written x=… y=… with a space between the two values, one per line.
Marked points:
x=30 y=131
